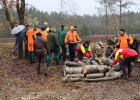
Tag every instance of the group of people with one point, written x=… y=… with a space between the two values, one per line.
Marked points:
x=124 y=54
x=40 y=44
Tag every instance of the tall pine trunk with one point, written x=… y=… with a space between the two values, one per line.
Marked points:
x=21 y=12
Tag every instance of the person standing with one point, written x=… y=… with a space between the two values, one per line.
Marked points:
x=44 y=33
x=24 y=37
x=61 y=38
x=41 y=49
x=124 y=41
x=36 y=30
x=71 y=39
x=30 y=41
x=53 y=45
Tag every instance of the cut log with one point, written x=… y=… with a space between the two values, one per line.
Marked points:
x=81 y=64
x=106 y=61
x=99 y=67
x=90 y=69
x=116 y=68
x=104 y=68
x=100 y=79
x=96 y=75
x=75 y=75
x=71 y=64
x=113 y=74
x=73 y=70
x=71 y=79
x=97 y=49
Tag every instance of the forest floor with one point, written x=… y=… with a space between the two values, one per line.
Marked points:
x=19 y=81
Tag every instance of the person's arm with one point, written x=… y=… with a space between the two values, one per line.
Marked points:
x=84 y=51
x=66 y=38
x=117 y=55
x=56 y=41
x=131 y=39
x=77 y=37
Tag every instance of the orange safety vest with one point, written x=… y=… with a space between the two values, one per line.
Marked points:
x=30 y=34
x=35 y=32
x=44 y=34
x=72 y=37
x=123 y=41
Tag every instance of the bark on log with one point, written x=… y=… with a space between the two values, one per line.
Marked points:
x=113 y=74
x=71 y=79
x=73 y=70
x=99 y=67
x=106 y=61
x=75 y=75
x=81 y=64
x=96 y=75
x=100 y=79
x=90 y=69
x=71 y=64
x=104 y=68
x=116 y=68
x=97 y=49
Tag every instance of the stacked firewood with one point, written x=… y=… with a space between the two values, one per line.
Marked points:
x=90 y=71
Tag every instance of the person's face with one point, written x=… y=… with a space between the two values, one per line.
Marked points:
x=121 y=33
x=72 y=30
x=86 y=45
x=46 y=25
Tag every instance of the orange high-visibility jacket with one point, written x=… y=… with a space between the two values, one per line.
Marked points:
x=123 y=41
x=30 y=34
x=72 y=37
x=35 y=32
x=44 y=34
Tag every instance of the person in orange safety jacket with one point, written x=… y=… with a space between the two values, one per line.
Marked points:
x=124 y=41
x=71 y=39
x=30 y=42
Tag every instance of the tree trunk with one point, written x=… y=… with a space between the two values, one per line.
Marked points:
x=96 y=75
x=90 y=69
x=113 y=74
x=71 y=79
x=101 y=79
x=81 y=64
x=106 y=61
x=21 y=14
x=71 y=64
x=74 y=75
x=116 y=67
x=7 y=14
x=73 y=70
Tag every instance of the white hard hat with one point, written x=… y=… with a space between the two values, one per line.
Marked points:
x=45 y=23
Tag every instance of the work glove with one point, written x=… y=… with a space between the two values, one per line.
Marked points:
x=111 y=65
x=90 y=58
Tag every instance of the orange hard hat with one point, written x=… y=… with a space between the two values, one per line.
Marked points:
x=71 y=28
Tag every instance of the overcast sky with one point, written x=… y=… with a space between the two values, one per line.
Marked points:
x=80 y=7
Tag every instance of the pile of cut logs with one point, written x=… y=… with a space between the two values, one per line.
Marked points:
x=90 y=71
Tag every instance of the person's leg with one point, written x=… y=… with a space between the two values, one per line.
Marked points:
x=26 y=50
x=79 y=55
x=72 y=48
x=39 y=62
x=64 y=52
x=129 y=69
x=16 y=48
x=124 y=61
x=56 y=53
x=48 y=58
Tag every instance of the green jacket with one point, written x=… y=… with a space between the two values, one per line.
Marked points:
x=53 y=43
x=61 y=36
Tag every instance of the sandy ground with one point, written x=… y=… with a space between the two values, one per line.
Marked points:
x=19 y=81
